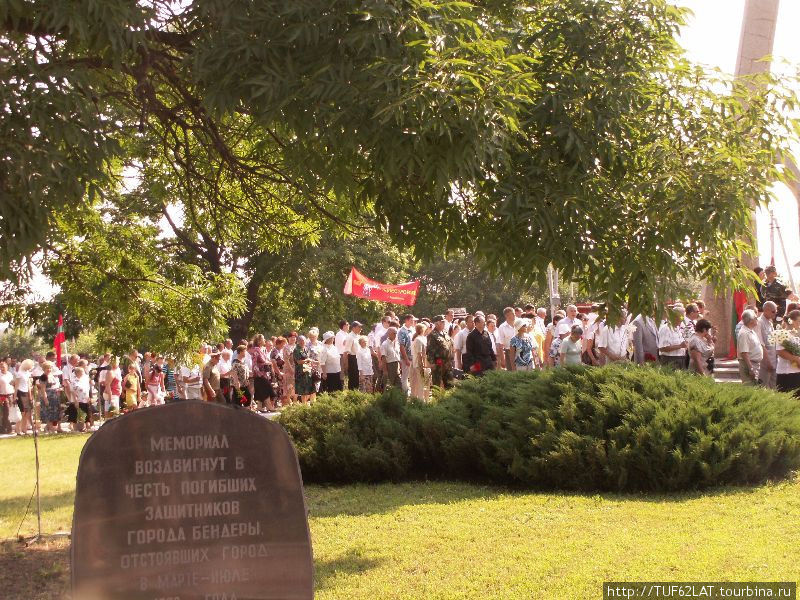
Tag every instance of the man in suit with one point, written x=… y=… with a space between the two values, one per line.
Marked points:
x=645 y=340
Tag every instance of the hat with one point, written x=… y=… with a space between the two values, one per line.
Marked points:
x=520 y=323
x=327 y=335
x=355 y=324
x=438 y=318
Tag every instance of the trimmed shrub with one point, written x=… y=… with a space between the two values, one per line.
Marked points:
x=622 y=428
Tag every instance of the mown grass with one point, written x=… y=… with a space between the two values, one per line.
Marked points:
x=454 y=540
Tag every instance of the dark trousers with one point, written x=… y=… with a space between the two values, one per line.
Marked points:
x=332 y=383
x=6 y=401
x=352 y=372
x=676 y=362
x=393 y=374
x=788 y=382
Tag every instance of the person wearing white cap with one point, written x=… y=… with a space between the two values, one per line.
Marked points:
x=331 y=364
x=523 y=351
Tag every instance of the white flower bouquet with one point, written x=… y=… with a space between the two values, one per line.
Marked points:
x=786 y=340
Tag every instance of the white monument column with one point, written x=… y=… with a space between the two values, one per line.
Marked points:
x=755 y=47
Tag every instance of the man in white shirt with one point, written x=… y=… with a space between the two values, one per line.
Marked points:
x=448 y=317
x=67 y=379
x=613 y=341
x=390 y=357
x=341 y=335
x=505 y=332
x=339 y=341
x=351 y=355
x=671 y=343
x=491 y=327
x=541 y=315
x=460 y=345
x=565 y=325
x=379 y=332
x=748 y=349
x=192 y=381
x=404 y=336
x=769 y=362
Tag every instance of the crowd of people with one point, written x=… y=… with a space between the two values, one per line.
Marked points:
x=415 y=355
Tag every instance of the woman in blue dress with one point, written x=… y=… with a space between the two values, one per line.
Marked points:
x=523 y=348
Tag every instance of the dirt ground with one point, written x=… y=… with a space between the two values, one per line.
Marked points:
x=36 y=572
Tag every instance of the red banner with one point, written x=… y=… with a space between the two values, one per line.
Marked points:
x=364 y=287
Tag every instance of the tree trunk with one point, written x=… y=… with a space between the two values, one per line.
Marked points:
x=238 y=328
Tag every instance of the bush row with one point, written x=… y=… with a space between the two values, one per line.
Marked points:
x=622 y=428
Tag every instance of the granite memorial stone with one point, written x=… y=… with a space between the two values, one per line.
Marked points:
x=187 y=501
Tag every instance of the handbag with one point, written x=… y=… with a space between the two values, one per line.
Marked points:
x=14 y=414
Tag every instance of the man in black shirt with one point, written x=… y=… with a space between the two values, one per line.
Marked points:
x=479 y=347
x=774 y=290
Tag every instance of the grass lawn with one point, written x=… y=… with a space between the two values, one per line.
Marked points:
x=453 y=540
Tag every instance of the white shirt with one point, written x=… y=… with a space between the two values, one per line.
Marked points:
x=670 y=336
x=192 y=389
x=224 y=367
x=504 y=333
x=80 y=389
x=248 y=361
x=786 y=366
x=418 y=347
x=364 y=359
x=339 y=340
x=23 y=377
x=747 y=341
x=461 y=340
x=351 y=343
x=615 y=340
x=390 y=349
x=564 y=326
x=330 y=359
x=66 y=374
x=538 y=323
x=6 y=383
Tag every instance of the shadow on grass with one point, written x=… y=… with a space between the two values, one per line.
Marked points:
x=370 y=499
x=37 y=572
x=352 y=563
x=13 y=508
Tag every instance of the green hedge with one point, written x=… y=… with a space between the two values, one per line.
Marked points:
x=621 y=428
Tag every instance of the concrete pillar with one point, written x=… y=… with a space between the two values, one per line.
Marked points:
x=755 y=44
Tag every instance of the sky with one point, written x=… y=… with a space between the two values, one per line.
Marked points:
x=712 y=38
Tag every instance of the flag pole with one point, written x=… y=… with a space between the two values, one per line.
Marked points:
x=36 y=417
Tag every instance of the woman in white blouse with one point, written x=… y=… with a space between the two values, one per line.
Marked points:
x=788 y=367
x=330 y=363
x=420 y=373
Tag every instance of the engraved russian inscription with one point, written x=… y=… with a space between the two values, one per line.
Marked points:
x=190 y=501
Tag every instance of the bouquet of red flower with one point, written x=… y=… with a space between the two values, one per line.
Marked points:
x=476 y=367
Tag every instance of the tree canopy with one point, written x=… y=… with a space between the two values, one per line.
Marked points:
x=570 y=132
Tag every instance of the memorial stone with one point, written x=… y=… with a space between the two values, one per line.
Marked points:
x=188 y=501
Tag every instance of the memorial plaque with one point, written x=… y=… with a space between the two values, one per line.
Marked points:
x=190 y=500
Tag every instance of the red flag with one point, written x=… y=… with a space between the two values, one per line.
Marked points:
x=364 y=287
x=59 y=340
x=739 y=302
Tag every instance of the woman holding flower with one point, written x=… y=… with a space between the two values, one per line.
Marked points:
x=788 y=343
x=303 y=382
